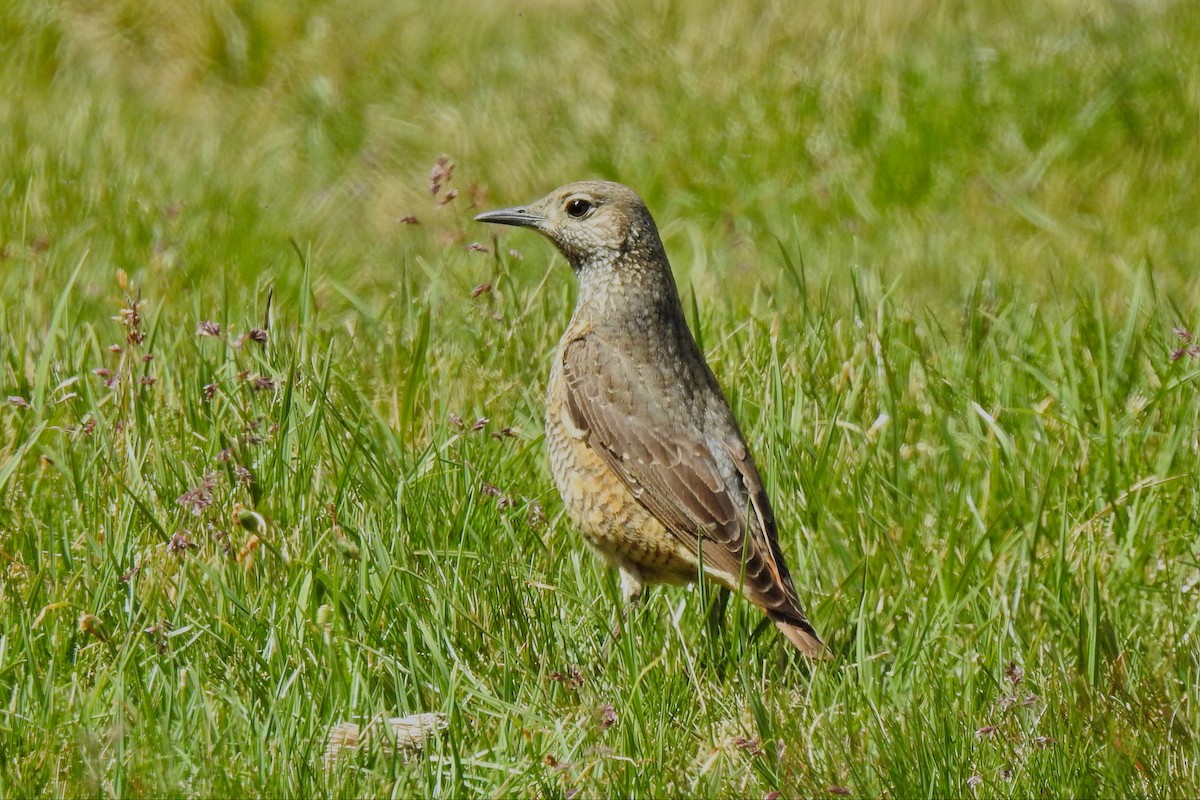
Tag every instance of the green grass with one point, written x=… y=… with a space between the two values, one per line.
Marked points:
x=936 y=253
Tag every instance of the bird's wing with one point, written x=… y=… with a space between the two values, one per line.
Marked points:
x=675 y=469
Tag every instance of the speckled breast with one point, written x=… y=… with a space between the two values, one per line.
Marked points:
x=600 y=505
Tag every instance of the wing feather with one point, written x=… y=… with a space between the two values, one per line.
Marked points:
x=676 y=472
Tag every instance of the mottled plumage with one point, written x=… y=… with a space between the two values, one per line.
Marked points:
x=647 y=455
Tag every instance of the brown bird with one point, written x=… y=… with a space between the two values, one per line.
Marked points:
x=646 y=453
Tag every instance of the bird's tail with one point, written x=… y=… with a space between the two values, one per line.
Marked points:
x=804 y=637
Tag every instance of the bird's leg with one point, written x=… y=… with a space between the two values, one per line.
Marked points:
x=632 y=588
x=715 y=618
x=632 y=585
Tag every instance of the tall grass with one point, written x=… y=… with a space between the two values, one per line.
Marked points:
x=942 y=259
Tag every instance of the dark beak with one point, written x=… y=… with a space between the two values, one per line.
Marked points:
x=520 y=216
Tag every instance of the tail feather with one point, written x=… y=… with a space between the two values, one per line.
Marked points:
x=804 y=637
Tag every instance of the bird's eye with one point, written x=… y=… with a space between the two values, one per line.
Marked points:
x=579 y=208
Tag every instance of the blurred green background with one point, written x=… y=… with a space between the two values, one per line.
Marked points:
x=1049 y=146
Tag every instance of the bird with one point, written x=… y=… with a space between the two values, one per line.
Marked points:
x=644 y=448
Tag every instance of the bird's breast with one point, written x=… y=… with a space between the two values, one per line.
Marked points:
x=599 y=504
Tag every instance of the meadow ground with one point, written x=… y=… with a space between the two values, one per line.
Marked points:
x=942 y=256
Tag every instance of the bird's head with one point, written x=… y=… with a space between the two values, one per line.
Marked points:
x=593 y=223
